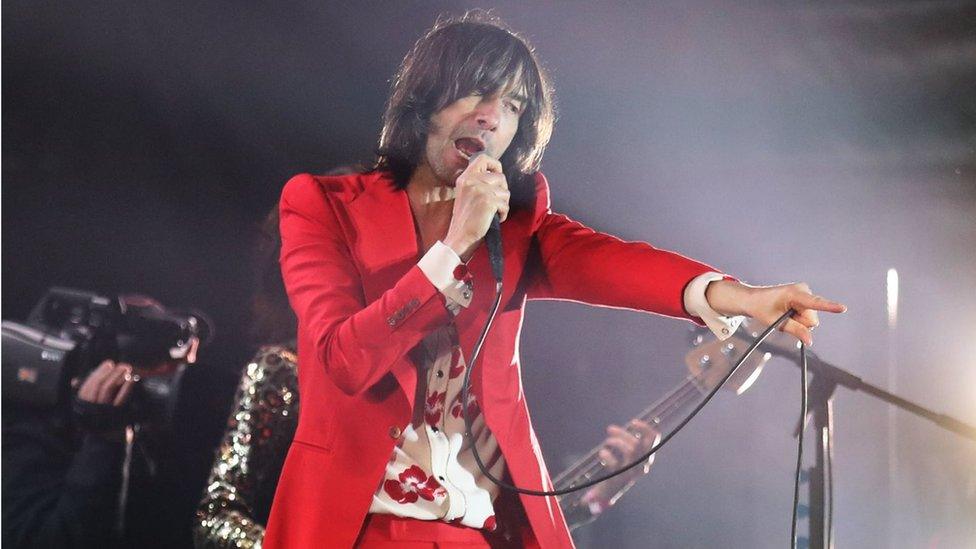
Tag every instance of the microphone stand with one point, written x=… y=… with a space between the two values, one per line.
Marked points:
x=820 y=478
x=825 y=379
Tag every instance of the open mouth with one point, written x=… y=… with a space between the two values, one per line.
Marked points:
x=469 y=146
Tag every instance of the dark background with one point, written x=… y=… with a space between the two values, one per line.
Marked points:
x=828 y=142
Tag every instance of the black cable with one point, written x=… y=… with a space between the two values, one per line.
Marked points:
x=799 y=443
x=466 y=387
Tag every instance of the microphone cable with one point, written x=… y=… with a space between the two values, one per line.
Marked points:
x=466 y=389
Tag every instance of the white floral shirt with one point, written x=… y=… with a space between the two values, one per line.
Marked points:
x=432 y=474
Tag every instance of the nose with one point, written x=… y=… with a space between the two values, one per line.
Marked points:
x=488 y=113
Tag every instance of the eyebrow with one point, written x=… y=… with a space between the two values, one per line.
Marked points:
x=517 y=96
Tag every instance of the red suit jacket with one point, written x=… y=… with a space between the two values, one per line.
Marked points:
x=349 y=259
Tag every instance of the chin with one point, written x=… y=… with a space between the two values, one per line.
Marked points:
x=452 y=171
x=452 y=181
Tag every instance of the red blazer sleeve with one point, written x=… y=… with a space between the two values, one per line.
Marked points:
x=581 y=264
x=355 y=342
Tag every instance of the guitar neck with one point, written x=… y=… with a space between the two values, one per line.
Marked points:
x=590 y=465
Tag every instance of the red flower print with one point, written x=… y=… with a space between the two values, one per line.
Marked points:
x=412 y=485
x=433 y=408
x=456 y=367
x=490 y=524
x=473 y=409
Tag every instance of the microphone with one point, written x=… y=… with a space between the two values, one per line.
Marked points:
x=493 y=239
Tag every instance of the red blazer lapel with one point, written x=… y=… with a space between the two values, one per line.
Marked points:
x=384 y=241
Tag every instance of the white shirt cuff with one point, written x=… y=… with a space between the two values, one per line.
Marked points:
x=695 y=303
x=438 y=264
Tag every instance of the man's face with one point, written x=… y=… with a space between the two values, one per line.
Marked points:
x=470 y=125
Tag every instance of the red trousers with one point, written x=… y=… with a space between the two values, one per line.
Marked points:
x=390 y=532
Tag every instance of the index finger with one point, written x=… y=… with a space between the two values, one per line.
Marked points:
x=110 y=386
x=123 y=395
x=104 y=369
x=817 y=303
x=90 y=386
x=482 y=162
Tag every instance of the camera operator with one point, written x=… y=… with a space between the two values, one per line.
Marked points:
x=85 y=471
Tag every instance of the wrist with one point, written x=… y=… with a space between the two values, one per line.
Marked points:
x=729 y=297
x=95 y=417
x=463 y=247
x=111 y=436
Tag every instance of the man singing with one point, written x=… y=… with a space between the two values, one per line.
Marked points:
x=391 y=284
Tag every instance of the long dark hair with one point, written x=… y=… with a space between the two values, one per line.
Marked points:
x=475 y=53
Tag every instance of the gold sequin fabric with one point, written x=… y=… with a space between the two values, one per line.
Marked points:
x=245 y=473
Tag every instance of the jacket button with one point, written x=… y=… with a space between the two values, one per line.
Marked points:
x=395 y=432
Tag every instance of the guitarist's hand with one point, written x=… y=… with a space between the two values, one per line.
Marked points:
x=622 y=446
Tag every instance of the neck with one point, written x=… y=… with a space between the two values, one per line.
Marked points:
x=432 y=204
x=427 y=192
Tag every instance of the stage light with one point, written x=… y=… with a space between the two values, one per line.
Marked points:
x=892 y=290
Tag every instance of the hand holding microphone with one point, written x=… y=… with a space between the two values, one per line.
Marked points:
x=481 y=191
